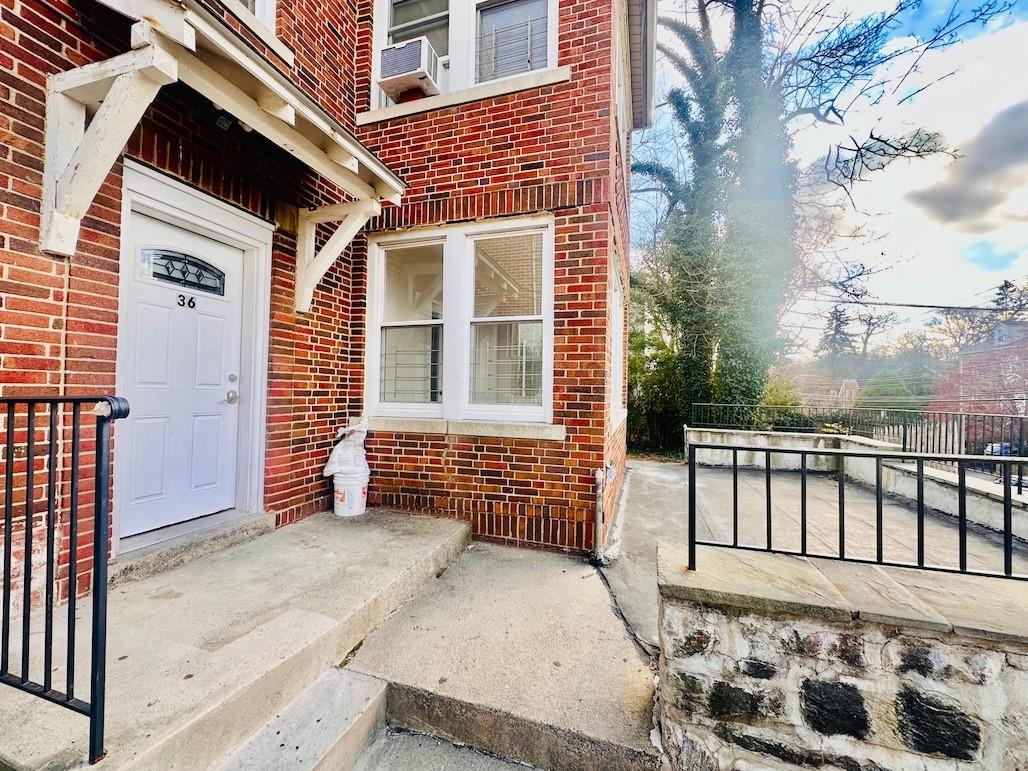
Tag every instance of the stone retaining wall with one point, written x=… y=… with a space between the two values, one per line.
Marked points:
x=749 y=688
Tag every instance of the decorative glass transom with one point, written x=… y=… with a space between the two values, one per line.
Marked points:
x=185 y=270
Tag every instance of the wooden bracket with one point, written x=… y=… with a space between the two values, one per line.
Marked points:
x=79 y=153
x=311 y=267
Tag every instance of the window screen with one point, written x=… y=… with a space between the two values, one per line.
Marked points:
x=511 y=39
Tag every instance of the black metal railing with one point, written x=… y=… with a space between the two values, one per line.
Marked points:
x=921 y=431
x=50 y=446
x=836 y=467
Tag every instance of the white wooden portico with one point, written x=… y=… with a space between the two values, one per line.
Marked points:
x=92 y=111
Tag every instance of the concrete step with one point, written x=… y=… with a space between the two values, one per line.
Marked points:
x=201 y=657
x=508 y=735
x=395 y=750
x=520 y=654
x=327 y=726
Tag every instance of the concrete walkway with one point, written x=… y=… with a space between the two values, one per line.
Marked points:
x=654 y=507
x=519 y=653
x=199 y=657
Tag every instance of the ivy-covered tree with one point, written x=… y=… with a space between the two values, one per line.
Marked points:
x=727 y=253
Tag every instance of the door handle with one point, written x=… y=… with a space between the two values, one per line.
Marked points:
x=231 y=397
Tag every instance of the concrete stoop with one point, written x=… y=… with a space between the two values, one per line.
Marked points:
x=507 y=735
x=206 y=658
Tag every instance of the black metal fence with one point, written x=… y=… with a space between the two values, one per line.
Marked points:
x=920 y=431
x=51 y=444
x=801 y=464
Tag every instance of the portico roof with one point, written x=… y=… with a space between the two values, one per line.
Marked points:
x=92 y=110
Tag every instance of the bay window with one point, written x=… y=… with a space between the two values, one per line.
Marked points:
x=460 y=323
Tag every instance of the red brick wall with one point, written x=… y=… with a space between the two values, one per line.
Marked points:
x=549 y=149
x=59 y=316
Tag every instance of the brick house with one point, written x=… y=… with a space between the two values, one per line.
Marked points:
x=221 y=211
x=989 y=385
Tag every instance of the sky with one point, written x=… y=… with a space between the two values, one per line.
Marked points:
x=947 y=230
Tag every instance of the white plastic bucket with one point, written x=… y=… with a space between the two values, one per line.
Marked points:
x=351 y=493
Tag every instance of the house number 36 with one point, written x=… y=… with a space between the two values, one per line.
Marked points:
x=185 y=302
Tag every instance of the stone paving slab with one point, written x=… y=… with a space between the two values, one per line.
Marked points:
x=877 y=596
x=976 y=606
x=973 y=606
x=750 y=580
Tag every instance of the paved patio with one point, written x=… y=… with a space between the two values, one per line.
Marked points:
x=655 y=503
x=520 y=653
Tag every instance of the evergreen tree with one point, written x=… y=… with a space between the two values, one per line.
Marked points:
x=837 y=340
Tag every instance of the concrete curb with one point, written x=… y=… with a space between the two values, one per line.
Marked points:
x=510 y=736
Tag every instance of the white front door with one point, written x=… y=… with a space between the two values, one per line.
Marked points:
x=180 y=362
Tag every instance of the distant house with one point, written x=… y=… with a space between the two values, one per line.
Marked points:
x=991 y=376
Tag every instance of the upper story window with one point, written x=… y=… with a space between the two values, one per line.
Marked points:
x=411 y=19
x=460 y=323
x=469 y=42
x=511 y=38
x=259 y=17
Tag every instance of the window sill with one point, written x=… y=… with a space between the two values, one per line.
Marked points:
x=482 y=91
x=504 y=430
x=261 y=30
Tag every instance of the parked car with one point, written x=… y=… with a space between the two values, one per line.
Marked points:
x=999 y=448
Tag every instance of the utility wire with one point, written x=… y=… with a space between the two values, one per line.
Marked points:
x=985 y=308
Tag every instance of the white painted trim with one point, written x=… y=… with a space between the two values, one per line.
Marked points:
x=262 y=24
x=312 y=266
x=78 y=156
x=618 y=420
x=457 y=283
x=542 y=431
x=487 y=90
x=617 y=313
x=157 y=195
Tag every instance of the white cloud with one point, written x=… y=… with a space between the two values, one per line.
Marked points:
x=925 y=253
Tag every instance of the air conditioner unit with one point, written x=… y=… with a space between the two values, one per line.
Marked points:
x=410 y=64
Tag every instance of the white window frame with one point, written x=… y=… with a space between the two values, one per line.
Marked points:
x=261 y=21
x=264 y=10
x=461 y=63
x=458 y=309
x=622 y=91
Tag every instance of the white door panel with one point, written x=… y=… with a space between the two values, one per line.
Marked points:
x=183 y=333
